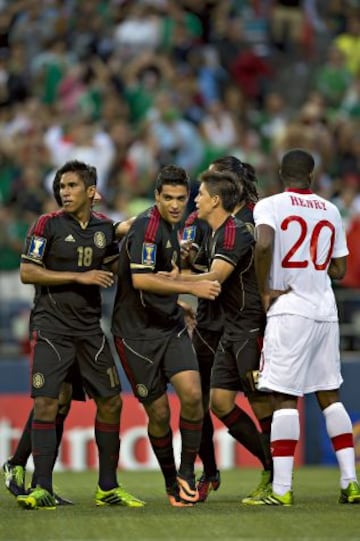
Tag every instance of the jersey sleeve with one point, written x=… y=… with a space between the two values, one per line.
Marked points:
x=142 y=254
x=233 y=243
x=263 y=214
x=37 y=242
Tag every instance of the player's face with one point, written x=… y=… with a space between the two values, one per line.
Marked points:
x=204 y=202
x=74 y=195
x=171 y=202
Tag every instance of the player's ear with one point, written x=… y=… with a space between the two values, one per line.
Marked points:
x=91 y=191
x=157 y=195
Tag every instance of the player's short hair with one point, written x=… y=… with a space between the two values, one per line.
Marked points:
x=245 y=173
x=224 y=184
x=87 y=173
x=173 y=175
x=56 y=190
x=297 y=164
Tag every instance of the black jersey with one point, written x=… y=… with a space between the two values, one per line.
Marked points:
x=150 y=246
x=58 y=242
x=239 y=298
x=209 y=313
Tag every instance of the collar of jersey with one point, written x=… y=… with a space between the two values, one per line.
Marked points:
x=299 y=190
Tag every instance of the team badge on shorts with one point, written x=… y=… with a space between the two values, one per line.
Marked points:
x=37 y=248
x=99 y=239
x=189 y=233
x=38 y=380
x=142 y=390
x=148 y=254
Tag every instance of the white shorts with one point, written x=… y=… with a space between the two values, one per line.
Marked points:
x=300 y=356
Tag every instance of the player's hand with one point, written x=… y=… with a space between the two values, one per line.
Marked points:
x=206 y=289
x=173 y=274
x=189 y=316
x=123 y=228
x=95 y=278
x=271 y=296
x=185 y=247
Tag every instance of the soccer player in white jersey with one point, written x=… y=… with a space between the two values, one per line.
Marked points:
x=300 y=246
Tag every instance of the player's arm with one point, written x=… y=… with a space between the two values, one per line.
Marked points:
x=337 y=268
x=162 y=285
x=32 y=273
x=122 y=228
x=262 y=260
x=220 y=270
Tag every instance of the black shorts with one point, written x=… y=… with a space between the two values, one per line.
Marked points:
x=150 y=364
x=233 y=360
x=74 y=378
x=54 y=355
x=205 y=344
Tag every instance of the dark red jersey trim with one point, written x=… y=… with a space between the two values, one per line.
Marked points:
x=229 y=235
x=40 y=225
x=101 y=216
x=120 y=348
x=191 y=218
x=152 y=226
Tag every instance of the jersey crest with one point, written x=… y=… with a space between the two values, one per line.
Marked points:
x=99 y=239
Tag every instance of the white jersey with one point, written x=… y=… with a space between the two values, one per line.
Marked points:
x=308 y=234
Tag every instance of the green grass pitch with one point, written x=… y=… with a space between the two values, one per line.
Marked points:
x=316 y=515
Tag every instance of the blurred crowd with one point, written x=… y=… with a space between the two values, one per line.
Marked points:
x=130 y=85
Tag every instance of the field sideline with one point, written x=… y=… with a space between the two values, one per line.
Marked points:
x=316 y=515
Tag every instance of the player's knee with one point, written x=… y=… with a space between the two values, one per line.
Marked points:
x=110 y=407
x=45 y=408
x=192 y=399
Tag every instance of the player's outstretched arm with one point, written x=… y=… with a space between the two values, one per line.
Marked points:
x=31 y=273
x=155 y=283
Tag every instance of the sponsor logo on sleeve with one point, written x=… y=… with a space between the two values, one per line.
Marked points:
x=37 y=247
x=148 y=254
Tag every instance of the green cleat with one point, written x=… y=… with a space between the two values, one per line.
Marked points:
x=37 y=498
x=116 y=496
x=351 y=494
x=261 y=491
x=14 y=478
x=275 y=499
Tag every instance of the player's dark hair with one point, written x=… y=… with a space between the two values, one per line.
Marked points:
x=224 y=184
x=296 y=166
x=173 y=175
x=56 y=190
x=87 y=173
x=245 y=174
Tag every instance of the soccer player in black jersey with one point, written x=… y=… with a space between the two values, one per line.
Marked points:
x=230 y=255
x=71 y=389
x=65 y=257
x=150 y=332
x=209 y=328
x=205 y=339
